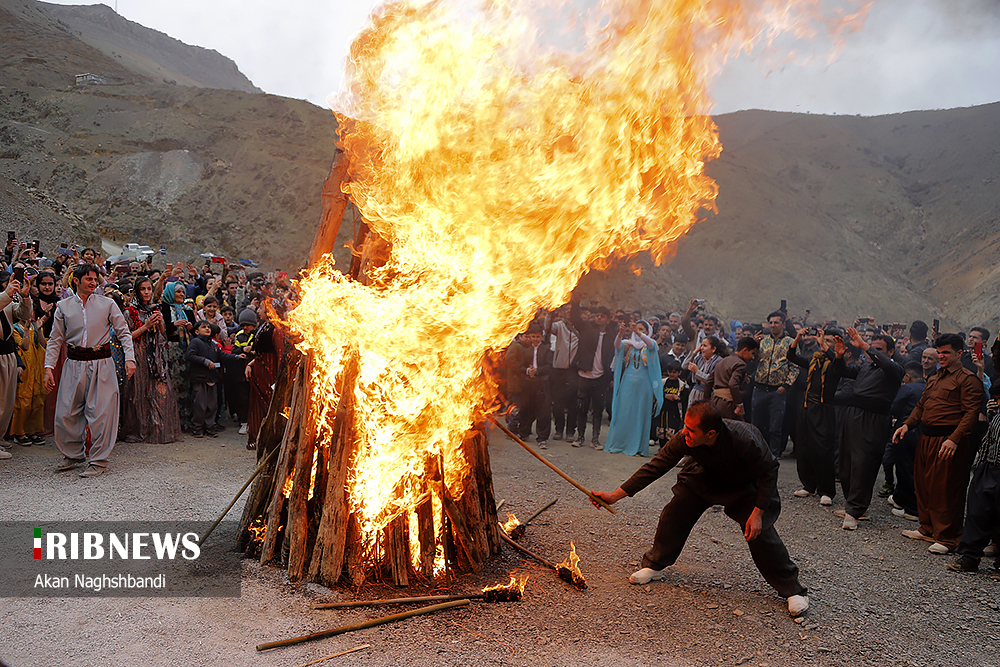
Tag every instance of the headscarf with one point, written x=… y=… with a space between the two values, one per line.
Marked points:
x=146 y=309
x=169 y=294
x=638 y=343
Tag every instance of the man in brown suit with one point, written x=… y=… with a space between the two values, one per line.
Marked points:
x=946 y=413
x=726 y=378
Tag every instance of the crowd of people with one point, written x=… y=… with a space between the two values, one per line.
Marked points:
x=92 y=353
x=910 y=401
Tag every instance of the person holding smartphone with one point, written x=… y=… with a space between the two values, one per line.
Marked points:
x=976 y=354
x=14 y=305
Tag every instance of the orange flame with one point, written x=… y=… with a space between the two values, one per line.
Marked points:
x=510 y=524
x=569 y=569
x=500 y=168
x=258 y=530
x=506 y=593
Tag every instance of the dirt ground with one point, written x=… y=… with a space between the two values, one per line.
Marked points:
x=876 y=597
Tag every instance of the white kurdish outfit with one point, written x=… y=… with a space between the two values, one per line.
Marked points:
x=88 y=390
x=10 y=310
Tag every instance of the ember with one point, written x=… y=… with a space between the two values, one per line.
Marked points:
x=514 y=528
x=512 y=592
x=569 y=569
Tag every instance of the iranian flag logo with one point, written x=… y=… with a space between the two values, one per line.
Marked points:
x=38 y=543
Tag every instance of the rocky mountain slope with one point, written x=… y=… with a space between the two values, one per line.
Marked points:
x=894 y=217
x=158 y=56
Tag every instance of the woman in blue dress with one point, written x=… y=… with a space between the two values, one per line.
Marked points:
x=638 y=390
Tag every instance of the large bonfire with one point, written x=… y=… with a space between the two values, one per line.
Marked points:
x=494 y=161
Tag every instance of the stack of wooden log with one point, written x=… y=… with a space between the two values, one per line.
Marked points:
x=302 y=495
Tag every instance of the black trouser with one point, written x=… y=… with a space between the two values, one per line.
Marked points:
x=769 y=417
x=590 y=396
x=903 y=454
x=238 y=395
x=767 y=550
x=814 y=449
x=204 y=404
x=982 y=517
x=862 y=445
x=563 y=385
x=534 y=406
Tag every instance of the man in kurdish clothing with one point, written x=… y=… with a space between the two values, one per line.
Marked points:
x=731 y=465
x=866 y=423
x=88 y=387
x=772 y=380
x=946 y=413
x=816 y=440
x=726 y=379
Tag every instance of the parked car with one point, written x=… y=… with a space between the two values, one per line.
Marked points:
x=139 y=252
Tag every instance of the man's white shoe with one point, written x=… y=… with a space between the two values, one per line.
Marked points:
x=645 y=575
x=901 y=513
x=798 y=605
x=4 y=454
x=826 y=501
x=850 y=523
x=802 y=493
x=243 y=428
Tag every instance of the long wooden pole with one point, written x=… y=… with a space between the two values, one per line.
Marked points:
x=581 y=487
x=336 y=655
x=391 y=601
x=535 y=515
x=239 y=493
x=366 y=624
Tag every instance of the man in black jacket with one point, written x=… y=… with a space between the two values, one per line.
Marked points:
x=534 y=402
x=731 y=465
x=867 y=424
x=594 y=357
x=204 y=359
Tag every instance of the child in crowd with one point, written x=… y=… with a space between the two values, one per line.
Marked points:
x=204 y=359
x=229 y=317
x=675 y=390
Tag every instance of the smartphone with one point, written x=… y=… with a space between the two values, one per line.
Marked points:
x=864 y=320
x=937 y=327
x=37 y=245
x=19 y=274
x=11 y=235
x=63 y=245
x=784 y=305
x=977 y=348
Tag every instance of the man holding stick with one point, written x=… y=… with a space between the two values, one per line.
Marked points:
x=730 y=465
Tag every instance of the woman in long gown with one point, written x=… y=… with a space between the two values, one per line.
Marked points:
x=179 y=322
x=638 y=391
x=150 y=411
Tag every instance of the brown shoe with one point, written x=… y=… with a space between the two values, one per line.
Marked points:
x=93 y=471
x=68 y=464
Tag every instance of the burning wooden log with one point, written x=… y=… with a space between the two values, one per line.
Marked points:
x=514 y=528
x=403 y=615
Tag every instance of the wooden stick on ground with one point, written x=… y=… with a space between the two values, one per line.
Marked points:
x=517 y=546
x=366 y=624
x=335 y=655
x=581 y=487
x=390 y=601
x=535 y=515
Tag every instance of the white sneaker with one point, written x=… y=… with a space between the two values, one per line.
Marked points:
x=850 y=523
x=244 y=428
x=4 y=454
x=826 y=501
x=543 y=444
x=645 y=575
x=802 y=493
x=798 y=605
x=901 y=513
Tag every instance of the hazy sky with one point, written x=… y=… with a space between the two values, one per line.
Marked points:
x=910 y=54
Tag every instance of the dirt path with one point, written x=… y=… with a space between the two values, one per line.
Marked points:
x=877 y=598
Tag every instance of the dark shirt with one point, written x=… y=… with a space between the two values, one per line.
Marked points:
x=587 y=347
x=876 y=381
x=907 y=399
x=738 y=463
x=821 y=379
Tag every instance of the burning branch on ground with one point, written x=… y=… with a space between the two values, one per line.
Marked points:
x=568 y=570
x=514 y=528
x=511 y=592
